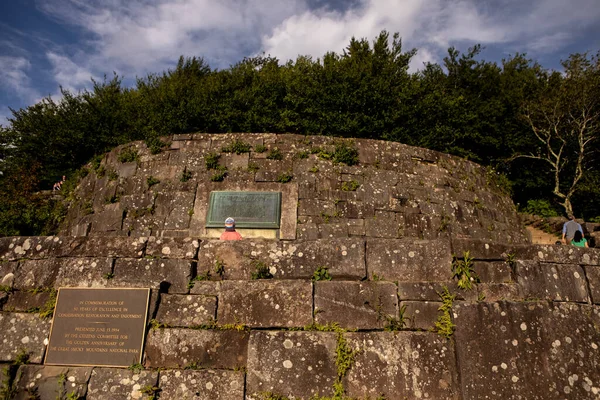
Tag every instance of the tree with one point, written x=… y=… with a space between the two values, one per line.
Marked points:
x=564 y=121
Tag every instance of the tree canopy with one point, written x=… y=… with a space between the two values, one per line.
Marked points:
x=512 y=116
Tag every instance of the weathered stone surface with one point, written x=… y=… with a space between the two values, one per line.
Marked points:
x=23 y=333
x=109 y=219
x=33 y=274
x=559 y=254
x=527 y=351
x=83 y=272
x=113 y=383
x=420 y=314
x=490 y=292
x=402 y=365
x=171 y=275
x=172 y=247
x=206 y=288
x=205 y=348
x=51 y=383
x=483 y=249
x=593 y=277
x=202 y=385
x=15 y=248
x=355 y=305
x=186 y=310
x=265 y=303
x=559 y=282
x=104 y=246
x=344 y=258
x=298 y=364
x=174 y=209
x=423 y=290
x=7 y=273
x=409 y=260
x=24 y=301
x=495 y=271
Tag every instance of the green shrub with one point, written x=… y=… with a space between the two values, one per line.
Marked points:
x=275 y=154
x=237 y=147
x=285 y=177
x=462 y=269
x=301 y=155
x=151 y=181
x=321 y=274
x=542 y=208
x=154 y=144
x=211 y=160
x=346 y=153
x=350 y=186
x=185 y=175
x=261 y=271
x=260 y=148
x=129 y=154
x=219 y=175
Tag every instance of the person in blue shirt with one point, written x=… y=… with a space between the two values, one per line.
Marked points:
x=569 y=229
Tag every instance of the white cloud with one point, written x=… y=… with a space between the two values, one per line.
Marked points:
x=14 y=77
x=68 y=74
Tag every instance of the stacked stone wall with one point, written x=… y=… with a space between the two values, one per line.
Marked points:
x=529 y=329
x=394 y=191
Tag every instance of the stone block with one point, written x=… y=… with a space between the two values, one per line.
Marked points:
x=490 y=292
x=202 y=385
x=130 y=247
x=205 y=348
x=186 y=310
x=172 y=247
x=355 y=305
x=170 y=275
x=527 y=350
x=24 y=301
x=420 y=291
x=271 y=170
x=298 y=364
x=23 y=333
x=206 y=288
x=593 y=276
x=308 y=231
x=266 y=303
x=556 y=282
x=51 y=383
x=33 y=274
x=483 y=249
x=174 y=209
x=83 y=272
x=109 y=219
x=420 y=315
x=113 y=383
x=382 y=225
x=494 y=271
x=559 y=254
x=407 y=260
x=15 y=248
x=333 y=230
x=402 y=365
x=7 y=273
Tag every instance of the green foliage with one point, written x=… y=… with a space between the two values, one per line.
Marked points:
x=47 y=309
x=112 y=175
x=301 y=155
x=219 y=268
x=185 y=175
x=285 y=177
x=219 y=175
x=261 y=271
x=395 y=324
x=136 y=368
x=253 y=167
x=462 y=269
x=154 y=144
x=345 y=152
x=211 y=160
x=541 y=207
x=444 y=325
x=314 y=169
x=150 y=391
x=350 y=186
x=129 y=154
x=151 y=181
x=22 y=357
x=321 y=274
x=237 y=147
x=274 y=154
x=260 y=148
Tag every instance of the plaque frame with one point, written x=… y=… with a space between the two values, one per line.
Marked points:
x=213 y=222
x=143 y=336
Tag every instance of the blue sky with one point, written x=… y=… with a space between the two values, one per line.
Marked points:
x=45 y=44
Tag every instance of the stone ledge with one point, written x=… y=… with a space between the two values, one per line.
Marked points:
x=265 y=303
x=299 y=364
x=163 y=247
x=186 y=310
x=553 y=282
x=170 y=275
x=205 y=348
x=355 y=305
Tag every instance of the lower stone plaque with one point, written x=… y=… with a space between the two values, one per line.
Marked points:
x=98 y=327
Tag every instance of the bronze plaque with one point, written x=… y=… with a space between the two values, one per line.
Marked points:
x=249 y=209
x=98 y=327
